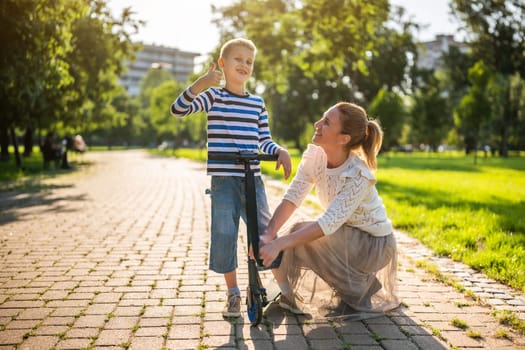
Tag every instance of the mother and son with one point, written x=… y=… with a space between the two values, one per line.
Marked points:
x=348 y=254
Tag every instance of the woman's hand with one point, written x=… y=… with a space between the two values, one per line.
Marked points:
x=268 y=252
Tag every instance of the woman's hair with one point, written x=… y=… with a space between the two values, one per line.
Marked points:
x=365 y=134
x=227 y=47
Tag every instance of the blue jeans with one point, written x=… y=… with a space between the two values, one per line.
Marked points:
x=228 y=204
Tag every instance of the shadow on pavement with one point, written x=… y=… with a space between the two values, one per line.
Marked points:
x=32 y=193
x=287 y=331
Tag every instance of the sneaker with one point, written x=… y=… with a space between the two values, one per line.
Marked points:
x=233 y=306
x=288 y=302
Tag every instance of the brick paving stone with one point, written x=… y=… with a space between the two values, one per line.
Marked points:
x=127 y=311
x=82 y=332
x=215 y=328
x=142 y=343
x=246 y=331
x=113 y=337
x=51 y=330
x=39 y=343
x=398 y=344
x=292 y=342
x=110 y=261
x=359 y=339
x=12 y=336
x=158 y=332
x=220 y=341
x=387 y=331
x=73 y=344
x=99 y=309
x=255 y=345
x=185 y=331
x=68 y=303
x=25 y=324
x=90 y=321
x=332 y=343
x=119 y=322
x=182 y=344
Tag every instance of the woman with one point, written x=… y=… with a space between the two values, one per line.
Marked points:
x=351 y=246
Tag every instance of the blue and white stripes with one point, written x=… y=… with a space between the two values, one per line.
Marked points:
x=235 y=123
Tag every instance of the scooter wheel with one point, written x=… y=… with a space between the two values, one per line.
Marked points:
x=254 y=305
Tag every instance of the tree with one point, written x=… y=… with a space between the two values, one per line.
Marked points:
x=165 y=125
x=474 y=110
x=36 y=38
x=388 y=107
x=390 y=64
x=498 y=39
x=60 y=64
x=100 y=46
x=455 y=73
x=143 y=122
x=314 y=53
x=430 y=113
x=122 y=111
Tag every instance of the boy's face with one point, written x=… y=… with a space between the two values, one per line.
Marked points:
x=237 y=65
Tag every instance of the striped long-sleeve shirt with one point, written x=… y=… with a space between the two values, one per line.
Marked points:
x=235 y=123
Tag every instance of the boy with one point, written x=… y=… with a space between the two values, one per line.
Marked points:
x=237 y=120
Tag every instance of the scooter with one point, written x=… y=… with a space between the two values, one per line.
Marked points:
x=256 y=296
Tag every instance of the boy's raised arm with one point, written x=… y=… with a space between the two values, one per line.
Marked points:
x=211 y=78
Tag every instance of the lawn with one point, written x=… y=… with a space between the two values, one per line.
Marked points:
x=471 y=213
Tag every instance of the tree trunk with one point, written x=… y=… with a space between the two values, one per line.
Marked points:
x=28 y=142
x=4 y=144
x=504 y=146
x=18 y=159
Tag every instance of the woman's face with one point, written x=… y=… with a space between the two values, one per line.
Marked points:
x=328 y=130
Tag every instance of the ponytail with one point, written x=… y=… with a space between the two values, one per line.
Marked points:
x=372 y=143
x=365 y=134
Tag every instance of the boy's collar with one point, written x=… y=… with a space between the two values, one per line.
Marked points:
x=246 y=93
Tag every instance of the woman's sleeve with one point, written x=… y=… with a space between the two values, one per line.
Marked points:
x=304 y=178
x=188 y=103
x=345 y=202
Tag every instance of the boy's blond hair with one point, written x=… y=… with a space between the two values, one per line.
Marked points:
x=227 y=47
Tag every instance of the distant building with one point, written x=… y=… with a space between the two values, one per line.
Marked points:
x=179 y=63
x=430 y=52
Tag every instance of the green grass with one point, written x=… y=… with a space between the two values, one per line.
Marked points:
x=473 y=213
x=32 y=165
x=29 y=178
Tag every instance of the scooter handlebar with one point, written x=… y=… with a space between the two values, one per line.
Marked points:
x=242 y=156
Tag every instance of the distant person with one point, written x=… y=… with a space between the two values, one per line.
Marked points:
x=51 y=150
x=351 y=246
x=68 y=144
x=79 y=144
x=237 y=121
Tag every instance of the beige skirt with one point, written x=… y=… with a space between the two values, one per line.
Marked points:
x=347 y=271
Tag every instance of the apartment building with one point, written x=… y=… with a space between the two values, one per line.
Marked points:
x=430 y=52
x=177 y=62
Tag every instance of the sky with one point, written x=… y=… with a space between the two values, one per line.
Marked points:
x=187 y=25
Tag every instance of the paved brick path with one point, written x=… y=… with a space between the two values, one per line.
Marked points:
x=114 y=256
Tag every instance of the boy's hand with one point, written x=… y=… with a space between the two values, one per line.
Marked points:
x=284 y=160
x=212 y=78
